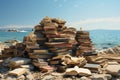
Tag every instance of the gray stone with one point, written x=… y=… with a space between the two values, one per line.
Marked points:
x=3 y=69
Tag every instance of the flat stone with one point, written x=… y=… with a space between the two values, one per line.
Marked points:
x=84 y=78
x=31 y=67
x=113 y=70
x=57 y=74
x=78 y=71
x=101 y=77
x=17 y=61
x=84 y=72
x=17 y=72
x=48 y=77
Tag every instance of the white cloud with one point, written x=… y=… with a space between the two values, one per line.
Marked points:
x=97 y=20
x=17 y=26
x=99 y=23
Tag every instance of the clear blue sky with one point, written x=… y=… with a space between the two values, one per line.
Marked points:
x=90 y=14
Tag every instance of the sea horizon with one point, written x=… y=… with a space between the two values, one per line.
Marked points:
x=101 y=38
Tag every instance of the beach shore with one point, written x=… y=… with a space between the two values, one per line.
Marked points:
x=54 y=51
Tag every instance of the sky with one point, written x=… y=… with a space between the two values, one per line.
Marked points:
x=88 y=14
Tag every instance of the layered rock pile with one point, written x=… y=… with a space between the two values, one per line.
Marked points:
x=50 y=38
x=52 y=47
x=84 y=42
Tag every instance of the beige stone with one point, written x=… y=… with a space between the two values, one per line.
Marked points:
x=78 y=71
x=113 y=69
x=17 y=61
x=17 y=72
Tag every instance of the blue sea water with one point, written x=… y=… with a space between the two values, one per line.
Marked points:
x=12 y=35
x=100 y=38
x=105 y=38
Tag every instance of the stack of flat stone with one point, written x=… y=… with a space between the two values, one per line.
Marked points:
x=58 y=42
x=14 y=51
x=35 y=45
x=84 y=43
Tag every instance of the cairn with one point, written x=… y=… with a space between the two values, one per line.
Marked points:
x=49 y=42
x=84 y=43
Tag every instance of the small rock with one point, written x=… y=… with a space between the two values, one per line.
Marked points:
x=3 y=69
x=101 y=77
x=1 y=76
x=11 y=78
x=115 y=78
x=57 y=74
x=113 y=70
x=48 y=77
x=17 y=61
x=17 y=72
x=84 y=78
x=22 y=77
x=29 y=76
x=58 y=78
x=31 y=67
x=6 y=61
x=78 y=71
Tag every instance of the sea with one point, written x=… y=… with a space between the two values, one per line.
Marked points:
x=101 y=39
